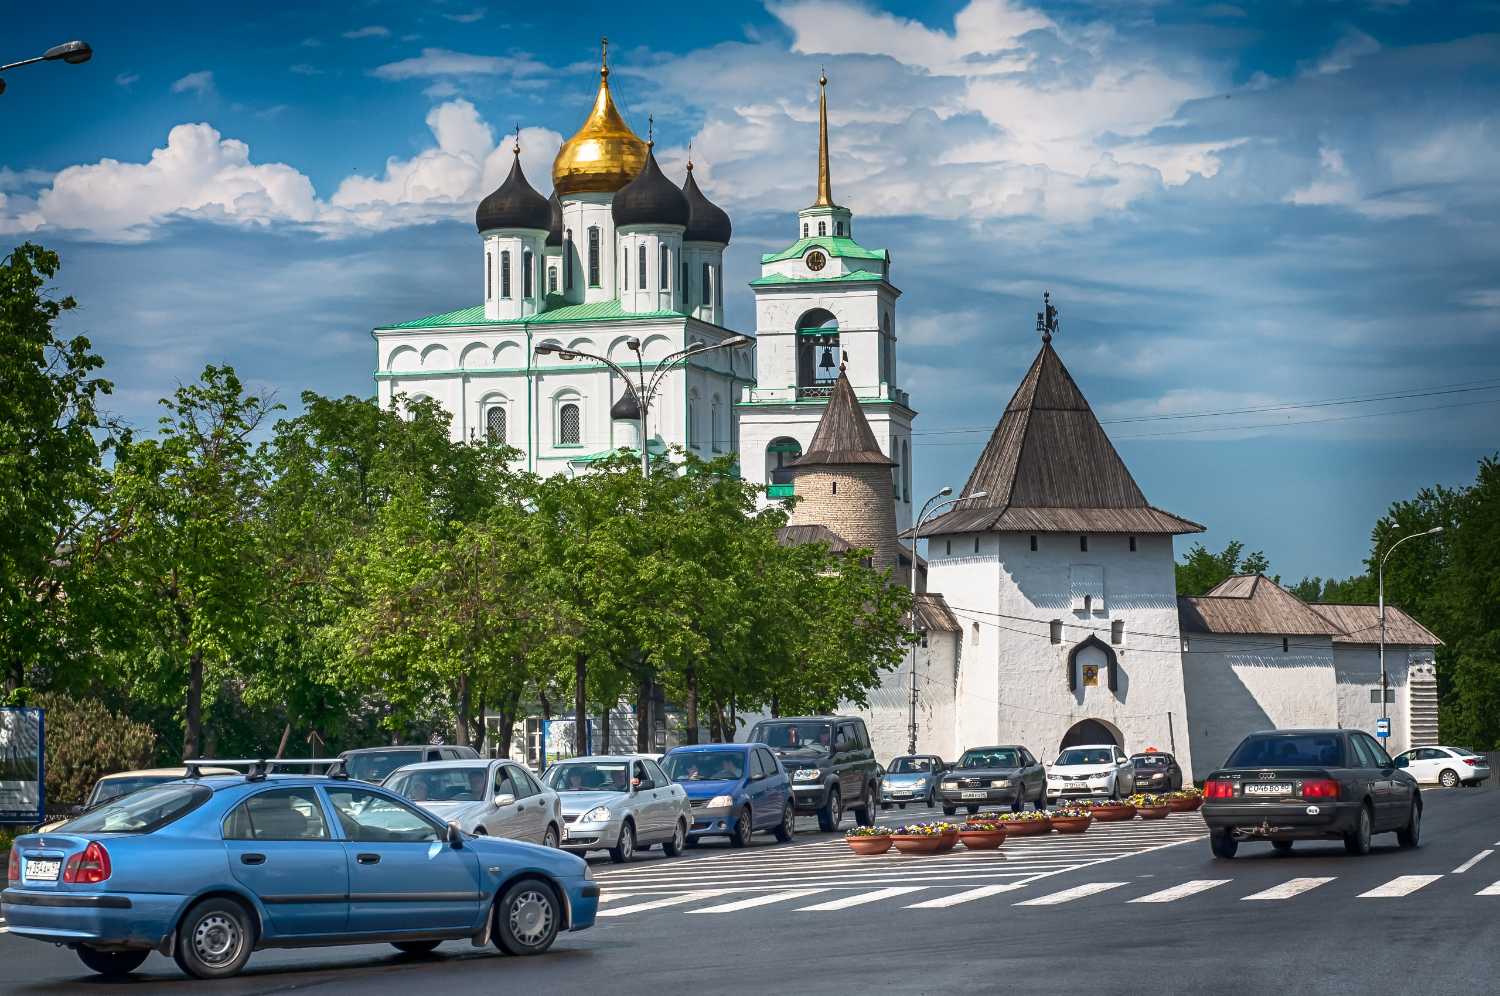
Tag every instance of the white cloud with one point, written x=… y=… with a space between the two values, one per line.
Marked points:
x=1354 y=45
x=477 y=14
x=201 y=83
x=443 y=62
x=306 y=69
x=126 y=79
x=369 y=31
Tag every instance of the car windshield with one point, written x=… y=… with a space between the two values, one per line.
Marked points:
x=141 y=812
x=589 y=776
x=795 y=736
x=704 y=765
x=1151 y=761
x=911 y=765
x=466 y=784
x=107 y=789
x=1002 y=758
x=1086 y=755
x=1288 y=750
x=375 y=765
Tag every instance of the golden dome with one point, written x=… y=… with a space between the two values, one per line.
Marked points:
x=604 y=155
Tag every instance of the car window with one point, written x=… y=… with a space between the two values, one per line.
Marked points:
x=757 y=766
x=525 y=788
x=638 y=772
x=1377 y=752
x=374 y=766
x=913 y=765
x=1086 y=755
x=504 y=784
x=794 y=736
x=862 y=735
x=521 y=774
x=589 y=776
x=1026 y=759
x=145 y=811
x=466 y=784
x=1428 y=754
x=768 y=760
x=369 y=817
x=1362 y=750
x=1289 y=749
x=281 y=814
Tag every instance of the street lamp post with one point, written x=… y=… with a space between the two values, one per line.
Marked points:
x=927 y=510
x=647 y=389
x=73 y=53
x=1380 y=582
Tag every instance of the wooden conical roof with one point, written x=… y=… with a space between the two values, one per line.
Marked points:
x=843 y=435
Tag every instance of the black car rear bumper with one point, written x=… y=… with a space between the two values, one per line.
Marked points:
x=1282 y=820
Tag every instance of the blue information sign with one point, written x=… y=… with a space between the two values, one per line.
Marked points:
x=1382 y=727
x=23 y=766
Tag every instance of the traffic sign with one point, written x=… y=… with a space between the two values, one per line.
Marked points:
x=1382 y=727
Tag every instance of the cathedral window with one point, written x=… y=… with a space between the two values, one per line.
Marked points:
x=625 y=270
x=1083 y=544
x=687 y=287
x=707 y=294
x=1117 y=632
x=718 y=288
x=838 y=228
x=896 y=471
x=594 y=256
x=568 y=260
x=822 y=228
x=716 y=441
x=1132 y=544
x=528 y=281
x=551 y=280
x=505 y=274
x=494 y=423
x=641 y=277
x=665 y=268
x=1033 y=544
x=906 y=463
x=489 y=276
x=948 y=551
x=569 y=424
x=976 y=544
x=692 y=420
x=804 y=229
x=835 y=487
x=1286 y=645
x=1056 y=631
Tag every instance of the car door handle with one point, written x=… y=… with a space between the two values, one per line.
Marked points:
x=252 y=859
x=367 y=859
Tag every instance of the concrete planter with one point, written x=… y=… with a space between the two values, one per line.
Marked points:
x=981 y=840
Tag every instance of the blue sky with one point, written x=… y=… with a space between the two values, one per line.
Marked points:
x=1236 y=207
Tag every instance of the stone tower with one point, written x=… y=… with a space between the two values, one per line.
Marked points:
x=843 y=481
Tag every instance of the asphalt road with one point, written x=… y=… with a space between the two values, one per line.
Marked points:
x=1132 y=908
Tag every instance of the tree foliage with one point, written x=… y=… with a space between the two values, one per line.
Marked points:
x=87 y=740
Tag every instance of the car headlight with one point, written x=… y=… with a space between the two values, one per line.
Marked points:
x=805 y=774
x=950 y=785
x=1000 y=783
x=599 y=814
x=720 y=802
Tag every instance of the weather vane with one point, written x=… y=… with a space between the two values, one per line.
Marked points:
x=1046 y=319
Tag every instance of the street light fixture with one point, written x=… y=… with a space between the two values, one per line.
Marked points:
x=73 y=53
x=646 y=391
x=1380 y=576
x=927 y=510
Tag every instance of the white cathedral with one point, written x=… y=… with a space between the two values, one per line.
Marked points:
x=1058 y=621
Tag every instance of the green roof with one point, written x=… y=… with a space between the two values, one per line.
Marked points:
x=834 y=245
x=601 y=311
x=781 y=278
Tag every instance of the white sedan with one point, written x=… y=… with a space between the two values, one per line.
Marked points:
x=1090 y=771
x=1447 y=766
x=489 y=798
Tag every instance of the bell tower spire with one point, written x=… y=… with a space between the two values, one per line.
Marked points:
x=825 y=182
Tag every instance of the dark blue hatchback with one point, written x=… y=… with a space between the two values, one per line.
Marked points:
x=734 y=790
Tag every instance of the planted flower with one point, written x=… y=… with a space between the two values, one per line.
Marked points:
x=1030 y=816
x=1072 y=813
x=983 y=826
x=875 y=831
x=935 y=829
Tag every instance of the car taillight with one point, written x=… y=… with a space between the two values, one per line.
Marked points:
x=89 y=867
x=1320 y=788
x=1471 y=762
x=1218 y=789
x=14 y=874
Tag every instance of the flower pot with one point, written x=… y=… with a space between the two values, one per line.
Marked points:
x=949 y=842
x=1183 y=805
x=1152 y=812
x=869 y=845
x=917 y=843
x=1115 y=813
x=982 y=840
x=1071 y=824
x=1027 y=828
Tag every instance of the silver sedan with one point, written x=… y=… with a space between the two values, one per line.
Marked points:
x=619 y=803
x=489 y=798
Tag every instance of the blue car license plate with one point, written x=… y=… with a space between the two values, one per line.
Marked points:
x=41 y=870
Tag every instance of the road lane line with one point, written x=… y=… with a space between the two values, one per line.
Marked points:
x=1401 y=885
x=614 y=897
x=967 y=896
x=1292 y=887
x=753 y=901
x=1472 y=862
x=657 y=904
x=1489 y=890
x=859 y=899
x=1182 y=891
x=1068 y=895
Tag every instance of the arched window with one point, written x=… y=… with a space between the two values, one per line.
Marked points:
x=505 y=273
x=818 y=353
x=687 y=287
x=494 y=423
x=822 y=228
x=551 y=280
x=569 y=424
x=642 y=267
x=896 y=471
x=804 y=229
x=692 y=419
x=716 y=439
x=528 y=284
x=568 y=260
x=906 y=462
x=489 y=277
x=718 y=287
x=624 y=269
x=838 y=228
x=708 y=290
x=780 y=454
x=593 y=255
x=665 y=268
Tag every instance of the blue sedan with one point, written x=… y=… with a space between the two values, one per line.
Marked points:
x=734 y=790
x=209 y=869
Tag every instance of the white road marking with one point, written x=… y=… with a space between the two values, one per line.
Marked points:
x=967 y=896
x=1182 y=891
x=657 y=904
x=1068 y=895
x=1489 y=890
x=1292 y=887
x=1401 y=885
x=753 y=901
x=859 y=899
x=1472 y=862
x=614 y=897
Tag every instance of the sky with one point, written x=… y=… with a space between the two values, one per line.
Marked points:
x=1287 y=213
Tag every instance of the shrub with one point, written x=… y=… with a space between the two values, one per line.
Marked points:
x=85 y=741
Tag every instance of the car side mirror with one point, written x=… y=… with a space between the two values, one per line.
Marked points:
x=1402 y=762
x=504 y=799
x=455 y=835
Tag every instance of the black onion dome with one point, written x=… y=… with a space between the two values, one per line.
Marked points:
x=707 y=222
x=515 y=204
x=650 y=199
x=554 y=231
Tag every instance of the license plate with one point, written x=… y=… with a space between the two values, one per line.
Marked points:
x=1269 y=788
x=901 y=795
x=971 y=795
x=42 y=871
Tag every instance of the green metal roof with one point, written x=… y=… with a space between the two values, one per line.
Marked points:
x=780 y=278
x=834 y=245
x=601 y=311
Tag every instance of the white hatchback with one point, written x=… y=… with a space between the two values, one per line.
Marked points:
x=1090 y=771
x=1447 y=766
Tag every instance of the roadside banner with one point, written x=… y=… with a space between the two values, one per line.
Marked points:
x=23 y=766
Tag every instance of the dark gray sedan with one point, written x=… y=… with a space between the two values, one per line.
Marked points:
x=1008 y=775
x=1156 y=771
x=1291 y=785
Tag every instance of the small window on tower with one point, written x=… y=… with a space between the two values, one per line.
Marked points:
x=569 y=425
x=1033 y=544
x=718 y=288
x=708 y=290
x=1117 y=632
x=551 y=280
x=687 y=287
x=1088 y=603
x=666 y=267
x=976 y=543
x=1286 y=645
x=505 y=274
x=835 y=487
x=489 y=277
x=641 y=265
x=1083 y=543
x=1132 y=544
x=568 y=260
x=1056 y=631
x=594 y=256
x=494 y=423
x=838 y=228
x=527 y=282
x=804 y=229
x=822 y=228
x=948 y=548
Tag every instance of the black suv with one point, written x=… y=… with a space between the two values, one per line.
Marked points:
x=831 y=764
x=373 y=764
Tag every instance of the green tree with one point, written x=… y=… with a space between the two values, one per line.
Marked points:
x=1201 y=570
x=50 y=472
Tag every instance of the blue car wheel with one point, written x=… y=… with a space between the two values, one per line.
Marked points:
x=215 y=939
x=527 y=918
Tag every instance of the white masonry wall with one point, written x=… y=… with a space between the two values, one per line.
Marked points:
x=1357 y=674
x=889 y=716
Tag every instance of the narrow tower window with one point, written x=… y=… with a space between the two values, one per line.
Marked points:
x=1132 y=544
x=708 y=291
x=551 y=280
x=666 y=266
x=1033 y=544
x=718 y=288
x=1117 y=632
x=593 y=256
x=1286 y=645
x=641 y=266
x=838 y=228
x=822 y=228
x=804 y=229
x=568 y=260
x=1056 y=631
x=1083 y=543
x=528 y=283
x=494 y=423
x=489 y=277
x=687 y=287
x=505 y=273
x=569 y=425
